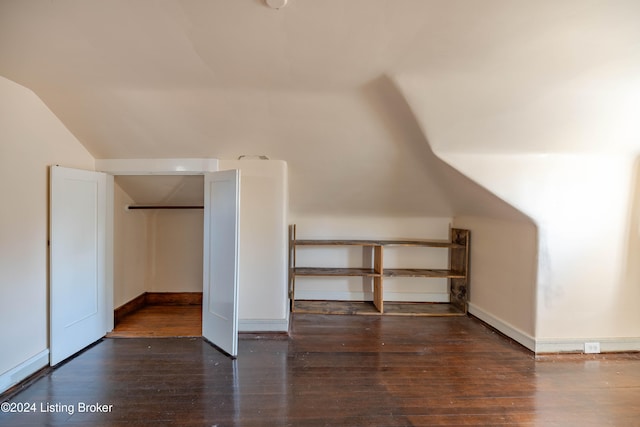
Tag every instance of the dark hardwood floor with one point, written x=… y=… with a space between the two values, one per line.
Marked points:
x=337 y=371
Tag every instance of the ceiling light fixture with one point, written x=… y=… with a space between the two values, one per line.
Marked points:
x=253 y=156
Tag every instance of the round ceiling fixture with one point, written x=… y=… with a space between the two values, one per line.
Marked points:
x=276 y=4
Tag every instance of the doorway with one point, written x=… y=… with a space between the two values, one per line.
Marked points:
x=81 y=222
x=158 y=255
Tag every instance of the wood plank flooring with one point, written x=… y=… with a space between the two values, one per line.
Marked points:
x=338 y=371
x=160 y=321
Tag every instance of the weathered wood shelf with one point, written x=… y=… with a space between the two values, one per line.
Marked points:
x=422 y=243
x=367 y=308
x=422 y=272
x=337 y=243
x=320 y=271
x=457 y=274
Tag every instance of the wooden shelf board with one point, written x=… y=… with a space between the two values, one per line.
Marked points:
x=366 y=308
x=422 y=272
x=336 y=243
x=324 y=271
x=344 y=242
x=336 y=307
x=421 y=309
x=425 y=243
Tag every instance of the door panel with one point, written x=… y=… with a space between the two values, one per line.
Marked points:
x=78 y=304
x=221 y=263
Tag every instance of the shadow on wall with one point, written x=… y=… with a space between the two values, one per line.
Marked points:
x=504 y=240
x=442 y=184
x=414 y=177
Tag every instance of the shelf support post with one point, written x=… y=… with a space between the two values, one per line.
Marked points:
x=292 y=265
x=378 y=292
x=459 y=262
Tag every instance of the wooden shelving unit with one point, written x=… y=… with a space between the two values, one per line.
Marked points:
x=457 y=274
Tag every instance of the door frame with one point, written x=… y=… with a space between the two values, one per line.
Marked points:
x=157 y=166
x=117 y=167
x=132 y=167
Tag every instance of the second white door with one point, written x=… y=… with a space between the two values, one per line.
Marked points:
x=221 y=259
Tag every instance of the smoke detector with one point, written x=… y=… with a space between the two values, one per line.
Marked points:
x=276 y=4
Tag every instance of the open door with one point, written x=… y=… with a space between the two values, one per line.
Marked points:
x=78 y=255
x=221 y=266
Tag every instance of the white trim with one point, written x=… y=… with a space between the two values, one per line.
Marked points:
x=554 y=345
x=24 y=370
x=505 y=327
x=109 y=268
x=607 y=345
x=263 y=325
x=368 y=296
x=156 y=166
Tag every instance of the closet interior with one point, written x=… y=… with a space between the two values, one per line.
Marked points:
x=158 y=252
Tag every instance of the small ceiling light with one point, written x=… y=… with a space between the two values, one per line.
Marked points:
x=276 y=4
x=253 y=156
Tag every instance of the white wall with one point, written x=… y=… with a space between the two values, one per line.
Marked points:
x=32 y=140
x=547 y=122
x=130 y=249
x=175 y=243
x=263 y=294
x=503 y=274
x=582 y=205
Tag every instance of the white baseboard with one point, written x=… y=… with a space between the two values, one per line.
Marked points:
x=263 y=325
x=509 y=330
x=555 y=345
x=24 y=370
x=607 y=345
x=368 y=296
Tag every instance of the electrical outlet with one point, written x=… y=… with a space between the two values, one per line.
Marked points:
x=592 y=347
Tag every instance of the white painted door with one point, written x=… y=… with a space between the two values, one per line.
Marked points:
x=221 y=263
x=78 y=249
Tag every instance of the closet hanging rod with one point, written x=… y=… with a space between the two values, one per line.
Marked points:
x=165 y=207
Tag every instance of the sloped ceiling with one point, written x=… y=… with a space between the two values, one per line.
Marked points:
x=353 y=94
x=172 y=190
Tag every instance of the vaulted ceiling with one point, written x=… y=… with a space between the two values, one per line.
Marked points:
x=356 y=95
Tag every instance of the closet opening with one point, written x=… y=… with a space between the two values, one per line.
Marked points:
x=158 y=255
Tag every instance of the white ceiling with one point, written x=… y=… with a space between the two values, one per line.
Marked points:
x=353 y=94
